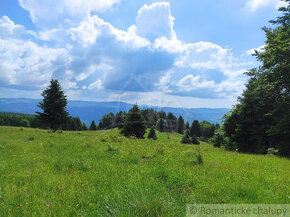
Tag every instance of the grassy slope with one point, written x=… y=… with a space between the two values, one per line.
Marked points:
x=75 y=174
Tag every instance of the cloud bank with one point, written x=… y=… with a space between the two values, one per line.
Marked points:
x=95 y=60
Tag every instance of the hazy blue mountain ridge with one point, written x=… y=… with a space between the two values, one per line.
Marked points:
x=89 y=110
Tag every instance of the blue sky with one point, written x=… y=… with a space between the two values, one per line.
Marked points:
x=174 y=53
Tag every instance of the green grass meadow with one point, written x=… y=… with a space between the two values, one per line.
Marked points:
x=101 y=173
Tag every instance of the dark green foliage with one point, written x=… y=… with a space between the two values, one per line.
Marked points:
x=18 y=120
x=135 y=123
x=261 y=118
x=195 y=129
x=171 y=122
x=72 y=123
x=150 y=116
x=84 y=127
x=218 y=139
x=194 y=140
x=180 y=125
x=207 y=129
x=93 y=126
x=199 y=157
x=152 y=133
x=186 y=138
x=107 y=121
x=187 y=127
x=26 y=120
x=53 y=106
x=119 y=119
x=161 y=125
x=162 y=114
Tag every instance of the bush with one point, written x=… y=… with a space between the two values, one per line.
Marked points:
x=218 y=139
x=272 y=151
x=186 y=138
x=199 y=157
x=194 y=140
x=152 y=133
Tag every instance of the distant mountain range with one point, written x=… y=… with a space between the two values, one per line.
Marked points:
x=88 y=110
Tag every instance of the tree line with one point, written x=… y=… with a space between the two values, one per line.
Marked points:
x=27 y=120
x=159 y=119
x=260 y=121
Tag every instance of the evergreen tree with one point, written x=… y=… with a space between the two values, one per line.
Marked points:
x=186 y=138
x=180 y=125
x=120 y=119
x=161 y=125
x=195 y=129
x=194 y=140
x=171 y=122
x=187 y=126
x=93 y=126
x=107 y=121
x=152 y=133
x=53 y=105
x=135 y=124
x=84 y=127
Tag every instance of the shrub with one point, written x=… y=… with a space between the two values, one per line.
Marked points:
x=218 y=139
x=152 y=133
x=186 y=138
x=194 y=140
x=272 y=151
x=199 y=157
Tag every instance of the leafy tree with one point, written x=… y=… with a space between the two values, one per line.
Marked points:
x=218 y=139
x=195 y=129
x=93 y=126
x=152 y=133
x=107 y=121
x=135 y=123
x=180 y=125
x=53 y=105
x=261 y=118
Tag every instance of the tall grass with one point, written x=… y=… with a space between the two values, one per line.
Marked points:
x=101 y=173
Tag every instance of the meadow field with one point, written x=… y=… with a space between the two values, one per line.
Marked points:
x=101 y=173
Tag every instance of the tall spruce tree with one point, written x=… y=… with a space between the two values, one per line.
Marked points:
x=180 y=125
x=152 y=133
x=195 y=129
x=93 y=126
x=53 y=106
x=135 y=124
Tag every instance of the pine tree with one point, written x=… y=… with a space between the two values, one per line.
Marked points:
x=180 y=125
x=187 y=126
x=135 y=124
x=152 y=133
x=53 y=105
x=161 y=124
x=195 y=129
x=186 y=138
x=93 y=126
